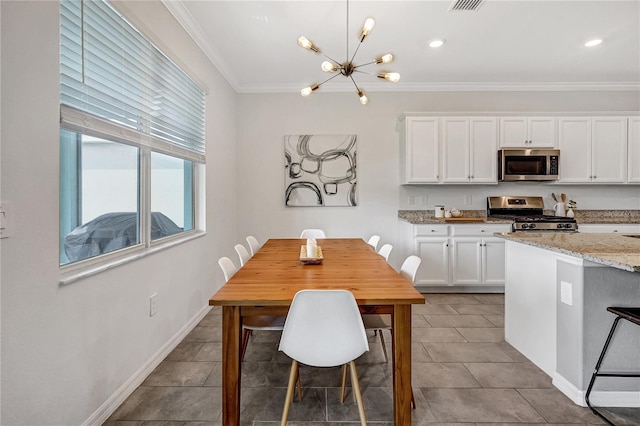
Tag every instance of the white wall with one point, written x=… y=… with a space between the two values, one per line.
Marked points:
x=67 y=349
x=264 y=119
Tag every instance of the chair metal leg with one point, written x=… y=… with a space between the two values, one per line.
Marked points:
x=356 y=390
x=287 y=402
x=597 y=373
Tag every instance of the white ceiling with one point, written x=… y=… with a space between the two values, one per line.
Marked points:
x=504 y=45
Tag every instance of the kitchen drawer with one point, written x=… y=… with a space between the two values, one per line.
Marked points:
x=431 y=230
x=482 y=230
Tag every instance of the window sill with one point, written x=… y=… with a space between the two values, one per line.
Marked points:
x=70 y=274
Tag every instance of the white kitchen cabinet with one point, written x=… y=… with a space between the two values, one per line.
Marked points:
x=460 y=255
x=469 y=150
x=528 y=132
x=420 y=151
x=633 y=150
x=592 y=149
x=605 y=228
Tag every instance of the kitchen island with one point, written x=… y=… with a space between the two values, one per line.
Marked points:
x=557 y=288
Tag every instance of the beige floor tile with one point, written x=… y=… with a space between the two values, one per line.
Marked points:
x=555 y=407
x=479 y=405
x=490 y=299
x=496 y=319
x=450 y=299
x=436 y=335
x=468 y=309
x=442 y=375
x=467 y=352
x=482 y=334
x=458 y=321
x=171 y=373
x=509 y=375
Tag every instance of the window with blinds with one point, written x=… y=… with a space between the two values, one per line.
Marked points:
x=111 y=72
x=132 y=140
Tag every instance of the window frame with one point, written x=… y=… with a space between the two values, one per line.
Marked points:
x=85 y=123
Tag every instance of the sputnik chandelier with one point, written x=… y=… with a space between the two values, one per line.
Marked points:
x=347 y=68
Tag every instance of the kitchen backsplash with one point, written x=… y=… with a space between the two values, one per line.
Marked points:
x=582 y=216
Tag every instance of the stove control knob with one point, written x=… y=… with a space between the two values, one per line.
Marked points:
x=525 y=225
x=560 y=226
x=532 y=225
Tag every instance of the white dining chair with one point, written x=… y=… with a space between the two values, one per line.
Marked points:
x=409 y=268
x=251 y=323
x=254 y=245
x=312 y=233
x=324 y=329
x=243 y=254
x=378 y=323
x=373 y=241
x=385 y=251
x=228 y=267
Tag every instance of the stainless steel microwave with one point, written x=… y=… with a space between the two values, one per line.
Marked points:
x=528 y=164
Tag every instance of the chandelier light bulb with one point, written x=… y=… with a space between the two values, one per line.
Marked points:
x=329 y=67
x=390 y=76
x=368 y=25
x=363 y=97
x=309 y=89
x=594 y=42
x=384 y=59
x=306 y=43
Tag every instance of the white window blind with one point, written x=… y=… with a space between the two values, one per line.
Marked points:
x=115 y=82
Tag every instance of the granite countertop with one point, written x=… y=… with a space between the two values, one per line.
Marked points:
x=615 y=250
x=426 y=217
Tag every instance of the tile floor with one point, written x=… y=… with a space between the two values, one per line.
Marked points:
x=464 y=374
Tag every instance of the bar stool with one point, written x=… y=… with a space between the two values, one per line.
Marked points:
x=632 y=315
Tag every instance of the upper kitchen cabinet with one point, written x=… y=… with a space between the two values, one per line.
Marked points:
x=633 y=147
x=527 y=132
x=593 y=149
x=419 y=156
x=469 y=146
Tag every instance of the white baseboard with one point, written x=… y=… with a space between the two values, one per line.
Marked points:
x=114 y=401
x=597 y=398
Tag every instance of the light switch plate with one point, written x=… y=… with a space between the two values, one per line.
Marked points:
x=566 y=293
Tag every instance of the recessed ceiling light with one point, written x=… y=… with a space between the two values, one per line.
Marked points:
x=594 y=42
x=436 y=43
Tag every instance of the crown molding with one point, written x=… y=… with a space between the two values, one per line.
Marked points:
x=186 y=20
x=453 y=87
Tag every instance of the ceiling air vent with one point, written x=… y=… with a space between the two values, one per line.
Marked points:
x=461 y=5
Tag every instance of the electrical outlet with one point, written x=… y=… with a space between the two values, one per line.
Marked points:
x=467 y=200
x=153 y=304
x=566 y=293
x=411 y=200
x=423 y=200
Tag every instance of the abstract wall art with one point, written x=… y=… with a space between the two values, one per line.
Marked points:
x=320 y=170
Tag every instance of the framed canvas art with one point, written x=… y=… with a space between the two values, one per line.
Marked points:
x=320 y=170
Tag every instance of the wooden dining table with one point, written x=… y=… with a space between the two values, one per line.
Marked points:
x=266 y=284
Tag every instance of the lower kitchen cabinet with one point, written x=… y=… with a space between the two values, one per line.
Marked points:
x=460 y=255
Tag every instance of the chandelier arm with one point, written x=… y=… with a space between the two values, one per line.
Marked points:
x=330 y=78
x=364 y=65
x=331 y=59
x=354 y=83
x=356 y=52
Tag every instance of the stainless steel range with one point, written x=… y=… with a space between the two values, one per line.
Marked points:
x=527 y=214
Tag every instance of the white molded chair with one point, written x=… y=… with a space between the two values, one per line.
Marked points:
x=312 y=233
x=377 y=323
x=324 y=329
x=228 y=267
x=243 y=254
x=254 y=245
x=373 y=241
x=385 y=251
x=409 y=268
x=252 y=323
